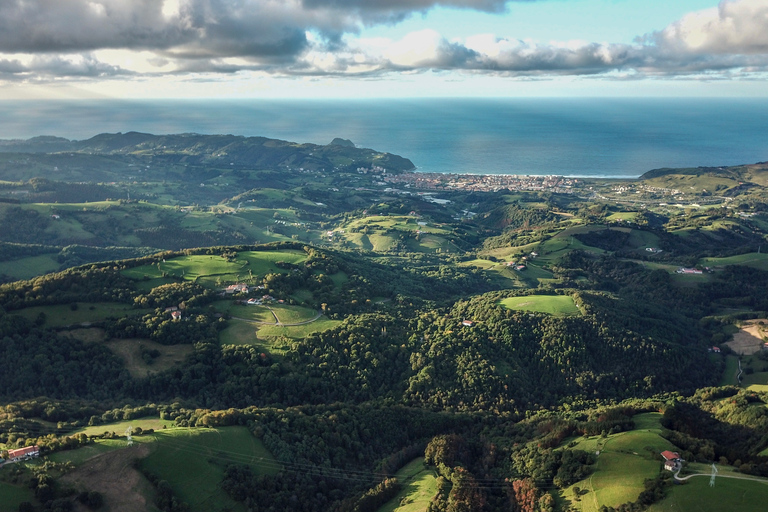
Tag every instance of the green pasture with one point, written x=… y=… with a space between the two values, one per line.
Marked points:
x=419 y=487
x=293 y=314
x=563 y=242
x=339 y=278
x=297 y=331
x=86 y=312
x=246 y=311
x=130 y=351
x=536 y=275
x=430 y=244
x=119 y=427
x=754 y=379
x=97 y=447
x=752 y=259
x=213 y=270
x=622 y=216
x=626 y=459
x=692 y=182
x=27 y=268
x=690 y=280
x=731 y=369
x=505 y=276
x=558 y=305
x=12 y=495
x=238 y=332
x=193 y=461
x=69 y=229
x=727 y=494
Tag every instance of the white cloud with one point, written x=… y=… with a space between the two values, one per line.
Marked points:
x=733 y=27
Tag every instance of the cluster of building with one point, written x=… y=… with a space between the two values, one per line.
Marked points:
x=482 y=182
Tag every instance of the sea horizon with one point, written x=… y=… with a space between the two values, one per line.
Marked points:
x=574 y=137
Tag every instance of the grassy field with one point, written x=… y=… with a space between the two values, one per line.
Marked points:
x=11 y=496
x=130 y=350
x=625 y=461
x=753 y=259
x=87 y=312
x=239 y=332
x=420 y=485
x=214 y=271
x=193 y=460
x=292 y=314
x=727 y=494
x=26 y=268
x=97 y=447
x=119 y=427
x=559 y=305
x=731 y=369
x=297 y=331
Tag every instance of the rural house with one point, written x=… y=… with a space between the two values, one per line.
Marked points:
x=236 y=288
x=27 y=452
x=668 y=455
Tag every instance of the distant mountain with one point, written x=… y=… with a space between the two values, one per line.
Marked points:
x=230 y=150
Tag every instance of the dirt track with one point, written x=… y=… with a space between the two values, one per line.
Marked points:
x=124 y=489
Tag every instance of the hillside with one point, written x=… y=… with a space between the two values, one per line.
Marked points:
x=239 y=324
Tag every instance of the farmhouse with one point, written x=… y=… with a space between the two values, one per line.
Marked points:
x=684 y=270
x=176 y=315
x=24 y=453
x=236 y=288
x=467 y=323
x=668 y=455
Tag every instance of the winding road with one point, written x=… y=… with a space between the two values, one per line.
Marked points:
x=735 y=477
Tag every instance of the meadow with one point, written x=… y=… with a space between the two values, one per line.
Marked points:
x=727 y=494
x=625 y=460
x=12 y=495
x=27 y=268
x=215 y=271
x=85 y=313
x=419 y=486
x=752 y=259
x=193 y=461
x=558 y=305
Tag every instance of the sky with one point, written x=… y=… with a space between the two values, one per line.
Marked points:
x=68 y=49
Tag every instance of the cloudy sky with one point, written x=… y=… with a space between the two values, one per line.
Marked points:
x=381 y=48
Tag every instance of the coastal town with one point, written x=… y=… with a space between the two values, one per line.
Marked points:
x=481 y=182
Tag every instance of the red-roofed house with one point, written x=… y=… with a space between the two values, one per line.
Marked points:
x=176 y=315
x=467 y=323
x=24 y=453
x=668 y=455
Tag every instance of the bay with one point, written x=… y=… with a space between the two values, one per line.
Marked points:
x=564 y=136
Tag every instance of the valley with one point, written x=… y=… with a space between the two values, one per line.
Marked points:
x=225 y=323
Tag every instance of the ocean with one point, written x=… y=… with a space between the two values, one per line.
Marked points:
x=569 y=137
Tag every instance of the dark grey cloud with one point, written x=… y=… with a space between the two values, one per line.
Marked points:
x=220 y=27
x=51 y=67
